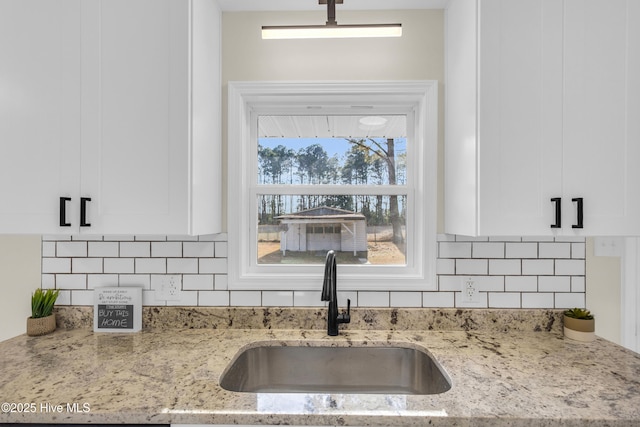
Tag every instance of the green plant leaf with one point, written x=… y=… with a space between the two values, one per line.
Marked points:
x=42 y=302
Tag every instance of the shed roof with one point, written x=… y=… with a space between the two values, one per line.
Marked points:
x=323 y=213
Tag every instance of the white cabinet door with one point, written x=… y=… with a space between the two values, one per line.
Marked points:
x=520 y=115
x=602 y=115
x=503 y=116
x=142 y=154
x=39 y=114
x=546 y=105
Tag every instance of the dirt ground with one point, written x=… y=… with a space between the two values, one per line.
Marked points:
x=380 y=253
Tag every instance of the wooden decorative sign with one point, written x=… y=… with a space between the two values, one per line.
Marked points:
x=117 y=309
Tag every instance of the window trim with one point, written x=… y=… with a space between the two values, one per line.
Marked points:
x=247 y=98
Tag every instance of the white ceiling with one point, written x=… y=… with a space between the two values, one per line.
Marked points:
x=265 y=5
x=332 y=126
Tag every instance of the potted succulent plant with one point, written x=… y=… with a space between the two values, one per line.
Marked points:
x=579 y=325
x=42 y=320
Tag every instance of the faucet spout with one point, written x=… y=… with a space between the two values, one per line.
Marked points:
x=330 y=293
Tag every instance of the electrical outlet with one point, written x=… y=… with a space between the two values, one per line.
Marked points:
x=169 y=289
x=469 y=290
x=608 y=246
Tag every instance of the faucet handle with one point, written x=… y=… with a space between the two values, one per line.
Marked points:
x=345 y=317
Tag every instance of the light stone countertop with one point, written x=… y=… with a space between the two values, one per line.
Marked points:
x=171 y=375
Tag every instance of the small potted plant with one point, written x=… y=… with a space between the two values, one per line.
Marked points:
x=42 y=320
x=579 y=325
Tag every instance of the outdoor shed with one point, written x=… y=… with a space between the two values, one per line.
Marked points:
x=324 y=228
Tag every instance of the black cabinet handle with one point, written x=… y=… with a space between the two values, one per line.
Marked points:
x=579 y=213
x=558 y=203
x=63 y=211
x=83 y=211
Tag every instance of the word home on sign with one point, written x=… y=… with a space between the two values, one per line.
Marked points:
x=117 y=309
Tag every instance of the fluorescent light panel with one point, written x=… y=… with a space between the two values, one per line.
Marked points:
x=331 y=31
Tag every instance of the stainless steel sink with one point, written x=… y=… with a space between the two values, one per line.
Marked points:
x=303 y=369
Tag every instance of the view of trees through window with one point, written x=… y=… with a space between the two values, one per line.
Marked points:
x=363 y=228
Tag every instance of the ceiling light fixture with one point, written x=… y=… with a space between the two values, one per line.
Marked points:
x=331 y=29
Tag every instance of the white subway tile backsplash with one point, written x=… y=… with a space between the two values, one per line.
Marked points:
x=438 y=299
x=48 y=249
x=213 y=298
x=488 y=283
x=307 y=299
x=187 y=298
x=150 y=238
x=149 y=298
x=570 y=267
x=71 y=281
x=488 y=250
x=56 y=265
x=509 y=272
x=139 y=280
x=245 y=298
x=472 y=266
x=533 y=267
x=554 y=284
x=221 y=250
x=48 y=281
x=86 y=265
x=405 y=299
x=537 y=300
x=578 y=284
x=450 y=283
x=82 y=297
x=135 y=249
x=119 y=265
x=221 y=282
x=182 y=265
x=482 y=301
x=455 y=250
x=471 y=239
x=521 y=250
x=373 y=299
x=510 y=267
x=578 y=250
x=118 y=238
x=101 y=280
x=570 y=300
x=198 y=249
x=64 y=298
x=445 y=266
x=521 y=283
x=445 y=238
x=213 y=265
x=277 y=298
x=504 y=300
x=151 y=265
x=555 y=250
x=197 y=282
x=182 y=238
x=505 y=239
x=104 y=249
x=166 y=249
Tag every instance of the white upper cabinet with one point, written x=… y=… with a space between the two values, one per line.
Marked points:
x=146 y=120
x=39 y=112
x=601 y=113
x=537 y=110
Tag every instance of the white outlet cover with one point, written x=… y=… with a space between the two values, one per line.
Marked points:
x=169 y=288
x=608 y=246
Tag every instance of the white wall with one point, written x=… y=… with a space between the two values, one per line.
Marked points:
x=19 y=277
x=603 y=293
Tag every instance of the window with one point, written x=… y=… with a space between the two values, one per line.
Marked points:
x=344 y=166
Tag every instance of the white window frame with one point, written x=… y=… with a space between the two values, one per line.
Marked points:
x=417 y=99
